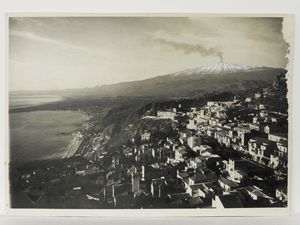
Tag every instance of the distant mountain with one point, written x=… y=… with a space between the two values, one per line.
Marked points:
x=219 y=69
x=191 y=82
x=188 y=83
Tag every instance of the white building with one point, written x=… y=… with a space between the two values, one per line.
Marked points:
x=281 y=194
x=145 y=136
x=277 y=137
x=180 y=152
x=192 y=125
x=193 y=141
x=236 y=174
x=166 y=115
x=198 y=162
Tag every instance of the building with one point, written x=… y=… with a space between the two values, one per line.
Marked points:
x=198 y=162
x=115 y=161
x=219 y=104
x=244 y=133
x=257 y=95
x=192 y=125
x=223 y=138
x=236 y=170
x=202 y=149
x=183 y=136
x=281 y=194
x=260 y=149
x=248 y=100
x=277 y=137
x=124 y=201
x=274 y=161
x=257 y=194
x=145 y=136
x=178 y=200
x=166 y=115
x=135 y=182
x=204 y=190
x=227 y=201
x=227 y=185
x=282 y=147
x=193 y=141
x=180 y=153
x=153 y=172
x=158 y=187
x=90 y=169
x=202 y=175
x=149 y=153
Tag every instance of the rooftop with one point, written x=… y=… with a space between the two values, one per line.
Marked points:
x=228 y=182
x=231 y=201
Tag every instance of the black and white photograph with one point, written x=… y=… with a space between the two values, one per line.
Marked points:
x=149 y=112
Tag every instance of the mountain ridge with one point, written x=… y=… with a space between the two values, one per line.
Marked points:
x=186 y=83
x=193 y=82
x=220 y=68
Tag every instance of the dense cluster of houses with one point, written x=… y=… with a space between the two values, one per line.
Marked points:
x=186 y=171
x=192 y=167
x=261 y=138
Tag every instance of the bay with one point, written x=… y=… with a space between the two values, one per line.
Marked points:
x=42 y=134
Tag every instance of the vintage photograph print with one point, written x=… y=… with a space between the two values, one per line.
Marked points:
x=148 y=112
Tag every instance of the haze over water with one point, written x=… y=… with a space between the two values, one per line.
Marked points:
x=18 y=100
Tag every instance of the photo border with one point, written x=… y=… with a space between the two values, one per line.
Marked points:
x=236 y=212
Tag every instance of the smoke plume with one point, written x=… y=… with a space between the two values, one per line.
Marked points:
x=191 y=48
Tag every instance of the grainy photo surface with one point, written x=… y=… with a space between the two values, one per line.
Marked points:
x=134 y=112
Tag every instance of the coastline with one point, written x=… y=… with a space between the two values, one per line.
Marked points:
x=73 y=145
x=60 y=132
x=78 y=137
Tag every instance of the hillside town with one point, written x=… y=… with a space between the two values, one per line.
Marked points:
x=225 y=154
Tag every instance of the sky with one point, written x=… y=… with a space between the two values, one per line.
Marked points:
x=47 y=53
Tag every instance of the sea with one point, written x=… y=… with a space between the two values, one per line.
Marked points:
x=21 y=100
x=38 y=135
